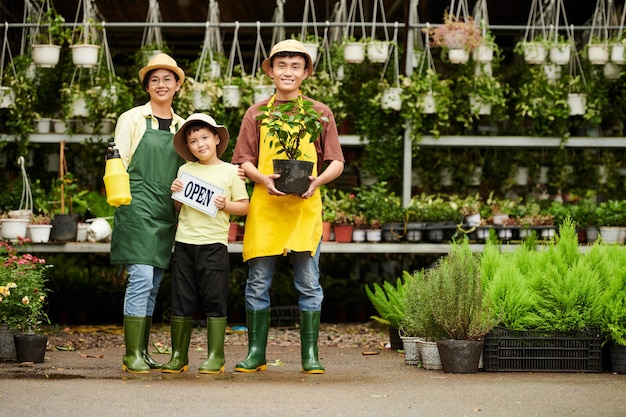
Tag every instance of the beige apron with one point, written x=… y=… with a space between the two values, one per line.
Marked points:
x=277 y=224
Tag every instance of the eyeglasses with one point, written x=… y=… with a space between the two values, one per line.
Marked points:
x=167 y=80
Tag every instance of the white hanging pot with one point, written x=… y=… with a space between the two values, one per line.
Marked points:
x=341 y=73
x=543 y=174
x=577 y=104
x=552 y=71
x=392 y=98
x=354 y=52
x=598 y=53
x=535 y=53
x=79 y=107
x=378 y=51
x=201 y=100
x=483 y=69
x=7 y=97
x=46 y=55
x=611 y=71
x=312 y=49
x=215 y=71
x=429 y=104
x=617 y=53
x=458 y=55
x=476 y=177
x=231 y=96
x=478 y=106
x=261 y=92
x=561 y=54
x=483 y=54
x=85 y=55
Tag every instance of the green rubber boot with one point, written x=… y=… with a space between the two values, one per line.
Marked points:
x=181 y=336
x=215 y=332
x=133 y=339
x=309 y=331
x=144 y=348
x=258 y=322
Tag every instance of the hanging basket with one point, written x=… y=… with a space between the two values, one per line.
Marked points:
x=428 y=104
x=354 y=52
x=392 y=98
x=46 y=55
x=561 y=54
x=483 y=54
x=312 y=49
x=7 y=97
x=231 y=96
x=535 y=53
x=458 y=55
x=479 y=106
x=262 y=92
x=577 y=104
x=617 y=53
x=598 y=54
x=85 y=55
x=378 y=51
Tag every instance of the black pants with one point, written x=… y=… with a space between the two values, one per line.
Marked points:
x=200 y=273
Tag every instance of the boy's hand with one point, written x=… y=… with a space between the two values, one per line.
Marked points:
x=220 y=202
x=177 y=186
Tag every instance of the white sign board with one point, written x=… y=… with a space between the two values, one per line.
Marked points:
x=198 y=194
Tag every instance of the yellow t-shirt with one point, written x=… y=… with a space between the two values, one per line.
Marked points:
x=198 y=228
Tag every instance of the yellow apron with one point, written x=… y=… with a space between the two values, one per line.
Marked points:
x=277 y=224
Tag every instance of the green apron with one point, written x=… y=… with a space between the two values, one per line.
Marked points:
x=143 y=231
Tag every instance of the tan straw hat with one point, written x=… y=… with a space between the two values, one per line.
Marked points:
x=162 y=61
x=180 y=140
x=288 y=45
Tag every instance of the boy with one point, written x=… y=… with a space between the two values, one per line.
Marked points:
x=200 y=263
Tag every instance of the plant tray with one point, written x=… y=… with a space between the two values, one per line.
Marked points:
x=548 y=351
x=284 y=316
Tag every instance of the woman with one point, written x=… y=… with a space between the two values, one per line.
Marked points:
x=144 y=230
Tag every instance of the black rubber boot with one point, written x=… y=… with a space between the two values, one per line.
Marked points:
x=258 y=322
x=309 y=332
x=144 y=348
x=215 y=332
x=181 y=336
x=133 y=339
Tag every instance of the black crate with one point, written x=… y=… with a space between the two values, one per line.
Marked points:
x=284 y=316
x=548 y=351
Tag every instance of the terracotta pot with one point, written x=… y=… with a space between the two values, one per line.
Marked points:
x=343 y=233
x=326 y=231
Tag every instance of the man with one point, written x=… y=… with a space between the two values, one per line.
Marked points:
x=278 y=223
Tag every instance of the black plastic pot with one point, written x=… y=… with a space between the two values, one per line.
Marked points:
x=64 y=228
x=294 y=175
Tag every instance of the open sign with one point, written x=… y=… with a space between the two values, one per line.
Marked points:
x=198 y=194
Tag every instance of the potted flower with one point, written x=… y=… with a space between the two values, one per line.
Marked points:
x=23 y=301
x=458 y=36
x=287 y=125
x=49 y=36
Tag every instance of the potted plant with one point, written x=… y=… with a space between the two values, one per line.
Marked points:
x=287 y=125
x=39 y=228
x=458 y=36
x=389 y=301
x=24 y=299
x=613 y=319
x=455 y=298
x=49 y=35
x=611 y=219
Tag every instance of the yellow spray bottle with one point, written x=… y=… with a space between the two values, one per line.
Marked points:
x=116 y=179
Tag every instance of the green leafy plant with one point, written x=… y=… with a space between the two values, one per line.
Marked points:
x=389 y=301
x=289 y=123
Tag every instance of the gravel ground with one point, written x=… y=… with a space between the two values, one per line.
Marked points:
x=361 y=335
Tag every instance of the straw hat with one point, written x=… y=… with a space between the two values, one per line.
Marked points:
x=288 y=45
x=180 y=140
x=162 y=61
